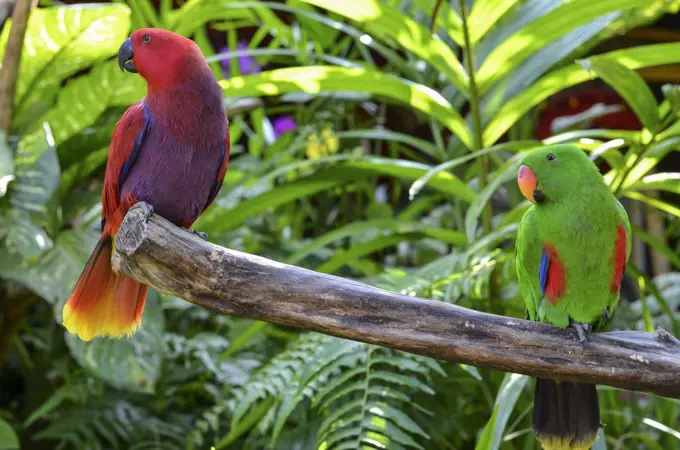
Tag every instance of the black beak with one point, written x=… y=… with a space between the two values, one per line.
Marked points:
x=125 y=61
x=539 y=197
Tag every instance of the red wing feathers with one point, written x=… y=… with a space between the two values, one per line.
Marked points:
x=125 y=146
x=619 y=258
x=553 y=281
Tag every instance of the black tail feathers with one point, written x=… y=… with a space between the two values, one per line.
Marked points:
x=566 y=415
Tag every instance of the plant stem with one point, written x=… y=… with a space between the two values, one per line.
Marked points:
x=10 y=63
x=477 y=142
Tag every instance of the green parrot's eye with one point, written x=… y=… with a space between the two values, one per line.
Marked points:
x=550 y=157
x=147 y=38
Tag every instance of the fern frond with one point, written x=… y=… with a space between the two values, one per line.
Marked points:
x=105 y=423
x=358 y=391
x=365 y=405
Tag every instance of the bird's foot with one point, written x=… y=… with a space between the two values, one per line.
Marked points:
x=583 y=330
x=147 y=210
x=605 y=315
x=200 y=234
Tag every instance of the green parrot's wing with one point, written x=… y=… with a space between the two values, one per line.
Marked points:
x=527 y=257
x=626 y=222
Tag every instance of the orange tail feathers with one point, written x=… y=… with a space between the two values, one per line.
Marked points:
x=104 y=303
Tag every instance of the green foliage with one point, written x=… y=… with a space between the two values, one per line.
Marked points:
x=384 y=179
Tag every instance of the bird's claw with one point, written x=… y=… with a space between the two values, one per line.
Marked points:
x=582 y=329
x=147 y=210
x=605 y=314
x=200 y=234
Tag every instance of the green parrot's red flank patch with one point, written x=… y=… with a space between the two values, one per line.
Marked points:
x=556 y=282
x=619 y=258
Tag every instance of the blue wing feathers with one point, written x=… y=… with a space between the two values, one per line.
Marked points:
x=135 y=151
x=543 y=270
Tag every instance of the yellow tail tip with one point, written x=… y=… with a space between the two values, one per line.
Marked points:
x=559 y=443
x=87 y=327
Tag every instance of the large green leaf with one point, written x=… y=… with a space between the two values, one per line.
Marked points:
x=8 y=438
x=32 y=208
x=631 y=86
x=196 y=13
x=319 y=79
x=37 y=173
x=633 y=58
x=131 y=363
x=534 y=67
x=537 y=34
x=23 y=236
x=388 y=23
x=82 y=101
x=61 y=41
x=484 y=14
x=55 y=273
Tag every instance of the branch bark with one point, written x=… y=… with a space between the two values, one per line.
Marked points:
x=11 y=61
x=175 y=262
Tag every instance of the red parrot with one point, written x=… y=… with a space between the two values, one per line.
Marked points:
x=171 y=151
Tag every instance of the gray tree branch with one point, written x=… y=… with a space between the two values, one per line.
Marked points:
x=175 y=262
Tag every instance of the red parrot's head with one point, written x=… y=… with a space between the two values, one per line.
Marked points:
x=160 y=56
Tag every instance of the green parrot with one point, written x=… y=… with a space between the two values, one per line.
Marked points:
x=572 y=247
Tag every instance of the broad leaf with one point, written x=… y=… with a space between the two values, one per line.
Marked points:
x=8 y=438
x=631 y=86
x=326 y=79
x=37 y=174
x=130 y=363
x=23 y=236
x=61 y=41
x=484 y=15
x=82 y=101
x=55 y=273
x=387 y=23
x=633 y=58
x=515 y=50
x=196 y=13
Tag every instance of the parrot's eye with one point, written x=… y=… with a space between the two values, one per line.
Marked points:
x=147 y=39
x=550 y=157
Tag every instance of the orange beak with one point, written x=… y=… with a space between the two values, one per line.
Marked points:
x=527 y=182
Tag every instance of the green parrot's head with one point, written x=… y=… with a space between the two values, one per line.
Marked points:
x=554 y=172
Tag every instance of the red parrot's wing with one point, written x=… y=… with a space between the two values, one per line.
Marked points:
x=124 y=149
x=220 y=176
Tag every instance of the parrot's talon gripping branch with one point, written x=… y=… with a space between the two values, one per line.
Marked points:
x=147 y=209
x=583 y=330
x=200 y=234
x=225 y=281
